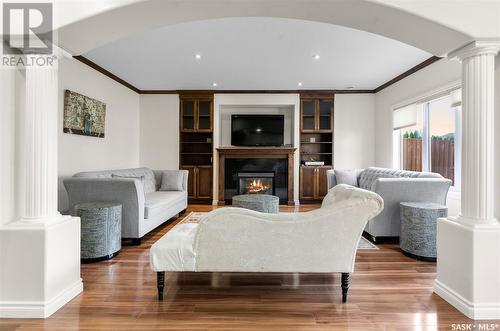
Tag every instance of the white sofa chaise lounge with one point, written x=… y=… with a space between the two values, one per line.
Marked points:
x=240 y=240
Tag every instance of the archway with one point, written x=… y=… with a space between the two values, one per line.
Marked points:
x=124 y=20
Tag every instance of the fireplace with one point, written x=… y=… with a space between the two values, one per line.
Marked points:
x=256 y=183
x=240 y=166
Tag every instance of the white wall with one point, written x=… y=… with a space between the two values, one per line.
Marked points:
x=120 y=146
x=159 y=142
x=435 y=76
x=354 y=143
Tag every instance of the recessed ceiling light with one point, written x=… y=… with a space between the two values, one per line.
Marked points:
x=214 y=84
x=299 y=84
x=197 y=56
x=316 y=56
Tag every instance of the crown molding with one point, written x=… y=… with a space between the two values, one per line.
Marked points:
x=405 y=74
x=408 y=72
x=103 y=71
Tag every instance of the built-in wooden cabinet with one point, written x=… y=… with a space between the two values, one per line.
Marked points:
x=316 y=113
x=313 y=183
x=196 y=113
x=316 y=144
x=199 y=182
x=196 y=144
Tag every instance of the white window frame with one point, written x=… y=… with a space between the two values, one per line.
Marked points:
x=423 y=102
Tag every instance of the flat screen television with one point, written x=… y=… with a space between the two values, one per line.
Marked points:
x=257 y=130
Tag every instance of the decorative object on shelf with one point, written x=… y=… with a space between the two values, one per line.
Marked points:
x=83 y=115
x=418 y=228
x=312 y=139
x=101 y=230
x=314 y=163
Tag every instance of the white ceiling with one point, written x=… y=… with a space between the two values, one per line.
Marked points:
x=256 y=53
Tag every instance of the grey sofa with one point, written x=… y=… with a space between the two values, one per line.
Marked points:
x=144 y=207
x=396 y=186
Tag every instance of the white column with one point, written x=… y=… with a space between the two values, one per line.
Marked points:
x=40 y=259
x=39 y=155
x=478 y=98
x=468 y=261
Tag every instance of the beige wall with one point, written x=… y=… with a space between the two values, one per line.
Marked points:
x=159 y=142
x=354 y=143
x=120 y=146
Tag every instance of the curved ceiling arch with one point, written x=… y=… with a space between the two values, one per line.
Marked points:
x=126 y=20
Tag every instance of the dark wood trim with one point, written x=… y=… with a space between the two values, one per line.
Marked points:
x=103 y=71
x=257 y=153
x=407 y=73
x=255 y=91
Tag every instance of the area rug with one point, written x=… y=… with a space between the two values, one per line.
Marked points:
x=194 y=217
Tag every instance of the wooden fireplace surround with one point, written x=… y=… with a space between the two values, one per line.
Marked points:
x=256 y=153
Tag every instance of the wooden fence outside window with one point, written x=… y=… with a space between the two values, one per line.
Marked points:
x=442 y=156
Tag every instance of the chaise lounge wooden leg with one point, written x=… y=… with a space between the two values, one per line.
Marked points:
x=160 y=283
x=345 y=286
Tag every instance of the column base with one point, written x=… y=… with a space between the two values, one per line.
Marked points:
x=40 y=265
x=468 y=266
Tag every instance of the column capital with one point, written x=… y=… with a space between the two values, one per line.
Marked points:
x=475 y=48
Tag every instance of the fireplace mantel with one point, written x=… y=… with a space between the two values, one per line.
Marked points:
x=256 y=153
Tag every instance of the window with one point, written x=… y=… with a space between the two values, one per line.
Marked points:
x=427 y=136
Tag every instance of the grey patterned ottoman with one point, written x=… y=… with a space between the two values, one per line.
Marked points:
x=418 y=228
x=259 y=202
x=101 y=230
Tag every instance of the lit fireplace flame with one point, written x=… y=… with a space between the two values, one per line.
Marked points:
x=256 y=186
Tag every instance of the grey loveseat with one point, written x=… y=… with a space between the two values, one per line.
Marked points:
x=144 y=206
x=395 y=186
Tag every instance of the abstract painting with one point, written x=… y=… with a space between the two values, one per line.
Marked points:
x=83 y=115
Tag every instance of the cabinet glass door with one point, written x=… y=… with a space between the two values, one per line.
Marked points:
x=188 y=115
x=308 y=115
x=325 y=114
x=205 y=115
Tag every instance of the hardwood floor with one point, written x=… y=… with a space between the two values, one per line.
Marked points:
x=388 y=292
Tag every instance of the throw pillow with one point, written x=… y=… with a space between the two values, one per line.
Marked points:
x=349 y=177
x=171 y=181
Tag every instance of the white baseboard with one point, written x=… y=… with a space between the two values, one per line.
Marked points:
x=34 y=309
x=485 y=311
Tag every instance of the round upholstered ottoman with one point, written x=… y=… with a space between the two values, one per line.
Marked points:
x=101 y=230
x=418 y=228
x=259 y=202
